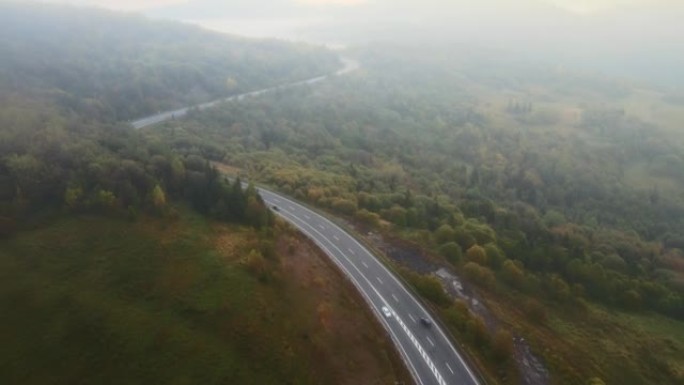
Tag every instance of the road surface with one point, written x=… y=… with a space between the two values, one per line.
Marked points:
x=349 y=65
x=427 y=351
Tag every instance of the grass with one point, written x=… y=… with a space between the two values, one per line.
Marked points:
x=579 y=342
x=92 y=300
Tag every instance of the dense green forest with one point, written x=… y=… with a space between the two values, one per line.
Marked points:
x=556 y=192
x=565 y=187
x=69 y=78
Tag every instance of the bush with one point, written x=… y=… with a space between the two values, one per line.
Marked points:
x=535 y=311
x=344 y=206
x=429 y=287
x=367 y=217
x=502 y=346
x=480 y=274
x=444 y=234
x=452 y=252
x=477 y=254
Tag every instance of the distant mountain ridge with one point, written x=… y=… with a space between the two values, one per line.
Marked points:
x=125 y=66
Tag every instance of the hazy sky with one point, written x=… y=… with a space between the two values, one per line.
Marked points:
x=580 y=27
x=644 y=36
x=580 y=6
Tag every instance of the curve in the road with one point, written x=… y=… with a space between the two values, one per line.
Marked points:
x=436 y=364
x=428 y=352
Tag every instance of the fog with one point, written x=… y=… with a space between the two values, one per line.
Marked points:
x=639 y=38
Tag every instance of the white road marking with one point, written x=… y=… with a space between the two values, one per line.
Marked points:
x=321 y=226
x=336 y=238
x=306 y=216
x=414 y=340
x=395 y=297
x=379 y=280
x=276 y=200
x=351 y=252
x=364 y=264
x=430 y=341
x=451 y=346
x=412 y=318
x=370 y=302
x=449 y=367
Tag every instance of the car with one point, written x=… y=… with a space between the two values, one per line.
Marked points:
x=425 y=321
x=386 y=312
x=275 y=208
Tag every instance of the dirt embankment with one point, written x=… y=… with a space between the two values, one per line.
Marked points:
x=532 y=369
x=348 y=339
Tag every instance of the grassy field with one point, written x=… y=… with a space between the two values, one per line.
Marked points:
x=91 y=300
x=587 y=341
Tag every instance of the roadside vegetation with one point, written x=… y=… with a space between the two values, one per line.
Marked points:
x=552 y=191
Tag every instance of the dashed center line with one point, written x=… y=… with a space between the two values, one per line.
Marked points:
x=449 y=367
x=336 y=238
x=395 y=298
x=379 y=280
x=364 y=264
x=430 y=341
x=351 y=252
x=321 y=226
x=411 y=317
x=306 y=216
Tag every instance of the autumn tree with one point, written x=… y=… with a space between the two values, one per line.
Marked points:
x=477 y=254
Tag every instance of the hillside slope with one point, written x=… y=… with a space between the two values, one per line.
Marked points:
x=95 y=300
x=117 y=67
x=124 y=262
x=557 y=194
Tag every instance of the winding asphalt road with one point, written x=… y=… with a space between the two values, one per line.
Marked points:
x=349 y=66
x=427 y=351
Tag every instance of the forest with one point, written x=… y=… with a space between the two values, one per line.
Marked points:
x=68 y=86
x=124 y=261
x=116 y=67
x=564 y=187
x=558 y=194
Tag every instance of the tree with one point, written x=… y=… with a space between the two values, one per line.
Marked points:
x=512 y=274
x=463 y=238
x=104 y=200
x=367 y=217
x=477 y=331
x=444 y=234
x=396 y=215
x=158 y=198
x=558 y=288
x=72 y=197
x=479 y=274
x=477 y=254
x=452 y=252
x=495 y=256
x=256 y=212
